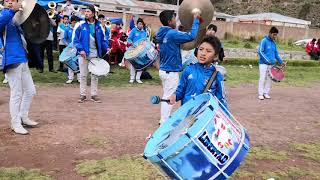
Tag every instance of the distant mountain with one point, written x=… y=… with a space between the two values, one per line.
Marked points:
x=302 y=9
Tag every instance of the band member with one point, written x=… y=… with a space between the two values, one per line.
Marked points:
x=311 y=49
x=170 y=40
x=105 y=28
x=5 y=80
x=68 y=8
x=135 y=35
x=15 y=65
x=68 y=39
x=211 y=31
x=90 y=43
x=48 y=47
x=269 y=56
x=61 y=29
x=195 y=77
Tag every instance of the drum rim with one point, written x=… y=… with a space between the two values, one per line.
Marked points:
x=90 y=65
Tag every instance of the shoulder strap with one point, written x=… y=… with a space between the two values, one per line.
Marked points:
x=209 y=84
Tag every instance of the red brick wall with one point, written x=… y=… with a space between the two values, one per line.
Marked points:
x=240 y=29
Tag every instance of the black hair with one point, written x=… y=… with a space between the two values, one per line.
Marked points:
x=140 y=20
x=213 y=27
x=74 y=18
x=91 y=8
x=65 y=16
x=101 y=16
x=314 y=39
x=213 y=41
x=274 y=30
x=166 y=16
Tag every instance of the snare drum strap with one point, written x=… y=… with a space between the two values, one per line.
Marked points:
x=209 y=84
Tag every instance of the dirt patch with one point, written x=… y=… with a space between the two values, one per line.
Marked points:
x=126 y=118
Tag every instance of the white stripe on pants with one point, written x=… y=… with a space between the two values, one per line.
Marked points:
x=21 y=92
x=170 y=83
x=133 y=73
x=265 y=81
x=83 y=66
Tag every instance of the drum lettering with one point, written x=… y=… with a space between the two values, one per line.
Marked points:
x=206 y=142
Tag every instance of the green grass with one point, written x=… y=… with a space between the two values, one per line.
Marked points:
x=125 y=167
x=298 y=73
x=265 y=153
x=289 y=174
x=310 y=151
x=22 y=174
x=253 y=45
x=97 y=142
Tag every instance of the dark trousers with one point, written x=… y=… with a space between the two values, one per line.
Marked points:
x=61 y=47
x=47 y=46
x=36 y=55
x=314 y=56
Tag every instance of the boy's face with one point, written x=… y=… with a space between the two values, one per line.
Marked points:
x=73 y=23
x=173 y=22
x=88 y=14
x=102 y=21
x=273 y=35
x=10 y=3
x=65 y=20
x=211 y=33
x=140 y=25
x=206 y=53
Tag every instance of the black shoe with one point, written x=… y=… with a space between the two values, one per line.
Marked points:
x=41 y=71
x=95 y=99
x=82 y=99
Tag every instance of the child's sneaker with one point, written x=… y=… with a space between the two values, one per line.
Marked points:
x=82 y=99
x=261 y=97
x=69 y=81
x=131 y=81
x=5 y=81
x=266 y=96
x=95 y=99
x=139 y=81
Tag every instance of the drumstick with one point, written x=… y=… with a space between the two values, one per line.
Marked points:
x=157 y=100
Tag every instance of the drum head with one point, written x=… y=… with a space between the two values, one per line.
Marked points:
x=99 y=67
x=136 y=50
x=277 y=74
x=68 y=53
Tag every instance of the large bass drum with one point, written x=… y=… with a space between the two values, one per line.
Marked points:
x=201 y=140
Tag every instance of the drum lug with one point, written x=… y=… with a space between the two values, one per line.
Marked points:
x=145 y=157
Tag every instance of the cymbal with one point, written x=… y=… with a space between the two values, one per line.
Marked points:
x=27 y=7
x=36 y=27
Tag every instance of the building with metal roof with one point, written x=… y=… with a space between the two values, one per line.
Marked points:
x=273 y=19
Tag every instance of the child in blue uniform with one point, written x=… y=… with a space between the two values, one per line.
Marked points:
x=135 y=35
x=170 y=40
x=195 y=76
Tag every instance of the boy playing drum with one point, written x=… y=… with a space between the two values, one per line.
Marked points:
x=196 y=76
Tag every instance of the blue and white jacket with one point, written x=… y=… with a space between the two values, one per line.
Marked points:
x=268 y=52
x=194 y=79
x=15 y=52
x=170 y=41
x=136 y=34
x=68 y=35
x=81 y=38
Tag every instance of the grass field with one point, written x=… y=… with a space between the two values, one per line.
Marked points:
x=298 y=73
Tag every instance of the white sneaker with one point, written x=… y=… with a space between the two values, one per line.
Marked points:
x=261 y=97
x=29 y=122
x=121 y=64
x=17 y=128
x=139 y=81
x=131 y=81
x=267 y=96
x=69 y=81
x=5 y=81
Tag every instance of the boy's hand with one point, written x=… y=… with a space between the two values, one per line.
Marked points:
x=172 y=99
x=196 y=13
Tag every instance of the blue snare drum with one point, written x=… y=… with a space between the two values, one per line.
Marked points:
x=142 y=54
x=201 y=140
x=70 y=58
